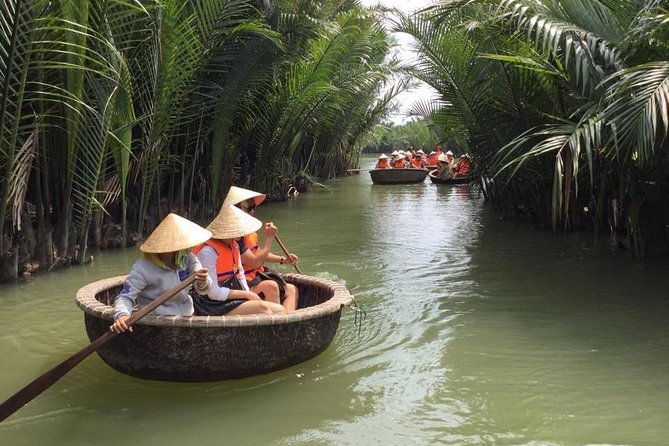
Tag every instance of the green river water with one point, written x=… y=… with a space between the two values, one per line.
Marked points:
x=478 y=332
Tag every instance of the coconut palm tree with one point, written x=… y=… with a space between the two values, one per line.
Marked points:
x=572 y=119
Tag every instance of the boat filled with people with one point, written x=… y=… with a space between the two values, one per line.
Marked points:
x=212 y=348
x=404 y=167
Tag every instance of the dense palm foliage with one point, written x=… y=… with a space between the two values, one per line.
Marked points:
x=564 y=103
x=419 y=133
x=114 y=112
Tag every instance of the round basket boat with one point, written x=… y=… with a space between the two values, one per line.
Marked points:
x=398 y=176
x=456 y=180
x=213 y=348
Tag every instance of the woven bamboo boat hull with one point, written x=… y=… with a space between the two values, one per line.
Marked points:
x=398 y=176
x=213 y=348
x=456 y=180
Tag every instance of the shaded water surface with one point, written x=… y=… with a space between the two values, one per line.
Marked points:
x=477 y=332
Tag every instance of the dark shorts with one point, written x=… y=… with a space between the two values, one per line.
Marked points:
x=207 y=307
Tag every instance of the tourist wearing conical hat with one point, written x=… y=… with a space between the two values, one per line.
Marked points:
x=399 y=162
x=418 y=161
x=224 y=255
x=450 y=158
x=382 y=163
x=432 y=158
x=167 y=260
x=259 y=278
x=463 y=166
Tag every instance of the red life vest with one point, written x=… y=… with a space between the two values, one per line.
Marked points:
x=251 y=242
x=398 y=164
x=432 y=159
x=227 y=261
x=382 y=164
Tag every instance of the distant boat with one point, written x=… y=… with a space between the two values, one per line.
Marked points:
x=397 y=176
x=455 y=180
x=213 y=348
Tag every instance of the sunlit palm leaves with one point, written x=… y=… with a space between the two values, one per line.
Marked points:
x=588 y=86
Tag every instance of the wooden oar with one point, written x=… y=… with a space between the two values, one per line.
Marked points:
x=276 y=237
x=357 y=170
x=39 y=385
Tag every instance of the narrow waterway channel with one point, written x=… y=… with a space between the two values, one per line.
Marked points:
x=477 y=332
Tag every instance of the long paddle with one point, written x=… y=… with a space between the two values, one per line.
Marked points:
x=39 y=385
x=276 y=237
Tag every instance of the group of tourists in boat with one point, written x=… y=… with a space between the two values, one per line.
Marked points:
x=444 y=163
x=400 y=159
x=226 y=257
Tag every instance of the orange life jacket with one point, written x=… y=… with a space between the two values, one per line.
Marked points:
x=463 y=167
x=418 y=163
x=432 y=159
x=251 y=242
x=382 y=164
x=398 y=164
x=227 y=261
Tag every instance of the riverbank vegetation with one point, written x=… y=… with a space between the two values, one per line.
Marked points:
x=564 y=104
x=419 y=133
x=114 y=112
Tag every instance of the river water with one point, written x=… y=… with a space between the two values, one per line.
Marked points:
x=478 y=332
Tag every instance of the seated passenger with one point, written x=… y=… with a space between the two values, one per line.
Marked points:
x=167 y=261
x=382 y=163
x=259 y=278
x=418 y=161
x=399 y=162
x=432 y=158
x=224 y=255
x=463 y=166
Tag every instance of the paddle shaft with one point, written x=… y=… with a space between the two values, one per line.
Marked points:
x=39 y=385
x=283 y=247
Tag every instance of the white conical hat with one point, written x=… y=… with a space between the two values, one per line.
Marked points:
x=232 y=222
x=449 y=153
x=420 y=151
x=174 y=233
x=395 y=153
x=238 y=194
x=383 y=157
x=443 y=158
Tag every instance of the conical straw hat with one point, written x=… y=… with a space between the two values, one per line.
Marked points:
x=232 y=222
x=443 y=158
x=238 y=194
x=174 y=233
x=383 y=157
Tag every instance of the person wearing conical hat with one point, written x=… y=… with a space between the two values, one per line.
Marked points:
x=399 y=162
x=444 y=169
x=223 y=255
x=450 y=158
x=418 y=160
x=432 y=158
x=463 y=166
x=382 y=163
x=167 y=260
x=259 y=278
